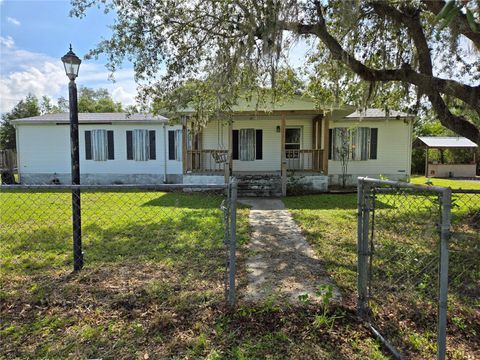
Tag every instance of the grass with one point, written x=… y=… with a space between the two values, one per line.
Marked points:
x=454 y=184
x=405 y=249
x=152 y=286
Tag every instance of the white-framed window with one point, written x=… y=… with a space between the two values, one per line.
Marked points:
x=141 y=145
x=358 y=143
x=99 y=145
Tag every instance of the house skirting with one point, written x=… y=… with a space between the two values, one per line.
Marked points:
x=196 y=179
x=98 y=179
x=351 y=179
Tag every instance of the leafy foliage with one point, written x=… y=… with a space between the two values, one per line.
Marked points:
x=24 y=108
x=89 y=100
x=381 y=53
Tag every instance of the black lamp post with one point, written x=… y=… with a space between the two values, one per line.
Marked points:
x=72 y=65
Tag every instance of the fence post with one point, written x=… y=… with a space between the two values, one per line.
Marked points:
x=446 y=203
x=232 y=242
x=362 y=247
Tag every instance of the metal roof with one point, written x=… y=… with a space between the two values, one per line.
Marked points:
x=377 y=114
x=93 y=118
x=444 y=142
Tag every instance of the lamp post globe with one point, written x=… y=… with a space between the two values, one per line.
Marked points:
x=71 y=62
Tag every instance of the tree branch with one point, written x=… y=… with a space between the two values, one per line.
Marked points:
x=429 y=84
x=435 y=6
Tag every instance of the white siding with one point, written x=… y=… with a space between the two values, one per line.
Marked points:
x=393 y=151
x=271 y=140
x=45 y=148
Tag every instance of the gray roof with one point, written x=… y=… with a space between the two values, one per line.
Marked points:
x=377 y=113
x=92 y=118
x=444 y=142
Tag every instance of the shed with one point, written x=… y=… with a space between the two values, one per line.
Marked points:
x=447 y=142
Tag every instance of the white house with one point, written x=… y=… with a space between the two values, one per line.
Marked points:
x=269 y=147
x=296 y=140
x=115 y=148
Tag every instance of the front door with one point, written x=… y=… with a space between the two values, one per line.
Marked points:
x=293 y=140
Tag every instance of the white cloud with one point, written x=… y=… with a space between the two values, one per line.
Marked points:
x=13 y=21
x=24 y=72
x=7 y=42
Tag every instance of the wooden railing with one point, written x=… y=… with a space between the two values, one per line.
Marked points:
x=214 y=160
x=206 y=160
x=304 y=160
x=8 y=160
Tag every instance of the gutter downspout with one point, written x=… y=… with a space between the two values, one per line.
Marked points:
x=164 y=153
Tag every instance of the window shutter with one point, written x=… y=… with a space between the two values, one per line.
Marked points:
x=373 y=143
x=171 y=145
x=88 y=145
x=129 y=145
x=330 y=143
x=235 y=144
x=110 y=151
x=259 y=144
x=153 y=149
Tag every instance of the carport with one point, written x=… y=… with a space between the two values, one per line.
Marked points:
x=443 y=142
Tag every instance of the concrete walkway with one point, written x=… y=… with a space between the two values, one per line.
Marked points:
x=280 y=262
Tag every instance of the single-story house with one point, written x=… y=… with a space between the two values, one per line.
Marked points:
x=289 y=143
x=115 y=148
x=296 y=140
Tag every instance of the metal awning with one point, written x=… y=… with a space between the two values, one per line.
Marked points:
x=443 y=142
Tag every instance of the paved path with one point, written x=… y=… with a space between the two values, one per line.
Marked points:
x=280 y=261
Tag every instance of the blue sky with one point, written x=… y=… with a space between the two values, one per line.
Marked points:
x=35 y=34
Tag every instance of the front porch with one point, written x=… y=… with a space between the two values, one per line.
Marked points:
x=277 y=144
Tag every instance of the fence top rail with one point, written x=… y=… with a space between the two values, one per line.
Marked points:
x=397 y=184
x=466 y=191
x=159 y=187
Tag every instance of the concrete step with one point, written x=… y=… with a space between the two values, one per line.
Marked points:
x=259 y=186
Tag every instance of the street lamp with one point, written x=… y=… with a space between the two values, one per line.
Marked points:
x=72 y=65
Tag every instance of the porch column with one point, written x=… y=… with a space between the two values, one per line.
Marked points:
x=283 y=163
x=229 y=162
x=326 y=144
x=184 y=145
x=317 y=143
x=426 y=162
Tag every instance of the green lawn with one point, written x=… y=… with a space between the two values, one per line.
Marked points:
x=454 y=184
x=152 y=286
x=406 y=243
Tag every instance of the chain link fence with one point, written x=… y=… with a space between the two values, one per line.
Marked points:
x=177 y=241
x=419 y=246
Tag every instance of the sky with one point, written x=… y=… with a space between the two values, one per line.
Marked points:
x=35 y=34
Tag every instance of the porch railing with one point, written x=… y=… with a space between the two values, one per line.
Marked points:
x=304 y=160
x=206 y=160
x=212 y=160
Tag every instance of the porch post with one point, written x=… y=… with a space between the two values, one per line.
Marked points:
x=184 y=144
x=326 y=145
x=426 y=162
x=228 y=164
x=283 y=163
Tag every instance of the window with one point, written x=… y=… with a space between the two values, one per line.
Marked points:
x=99 y=145
x=175 y=145
x=141 y=145
x=356 y=143
x=247 y=144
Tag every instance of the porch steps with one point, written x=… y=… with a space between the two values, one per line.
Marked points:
x=259 y=185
